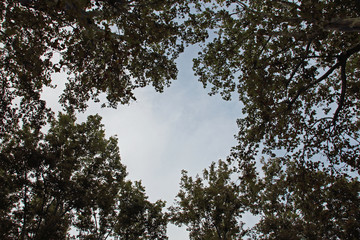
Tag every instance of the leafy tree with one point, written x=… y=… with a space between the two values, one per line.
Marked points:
x=294 y=66
x=70 y=183
x=137 y=217
x=292 y=200
x=297 y=201
x=105 y=46
x=211 y=207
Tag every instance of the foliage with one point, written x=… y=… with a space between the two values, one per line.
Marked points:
x=70 y=182
x=137 y=217
x=291 y=199
x=294 y=66
x=300 y=201
x=105 y=46
x=211 y=207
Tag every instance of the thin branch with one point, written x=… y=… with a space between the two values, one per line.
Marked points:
x=299 y=64
x=108 y=234
x=353 y=138
x=42 y=212
x=310 y=85
x=217 y=231
x=244 y=6
x=344 y=25
x=343 y=92
x=290 y=5
x=263 y=47
x=96 y=222
x=342 y=60
x=23 y=231
x=317 y=56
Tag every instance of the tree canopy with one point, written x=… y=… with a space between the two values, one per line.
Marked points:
x=297 y=201
x=293 y=64
x=105 y=46
x=70 y=183
x=295 y=67
x=211 y=206
x=290 y=199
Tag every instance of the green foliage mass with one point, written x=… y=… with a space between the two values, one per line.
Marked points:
x=105 y=46
x=70 y=183
x=297 y=201
x=293 y=64
x=210 y=206
x=291 y=200
x=295 y=67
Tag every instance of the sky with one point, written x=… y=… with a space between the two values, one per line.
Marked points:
x=161 y=134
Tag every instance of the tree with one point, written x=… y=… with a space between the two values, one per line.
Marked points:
x=294 y=66
x=297 y=201
x=105 y=46
x=211 y=207
x=137 y=217
x=292 y=200
x=70 y=182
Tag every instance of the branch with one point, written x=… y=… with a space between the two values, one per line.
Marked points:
x=299 y=64
x=310 y=85
x=317 y=56
x=246 y=7
x=344 y=25
x=341 y=63
x=342 y=60
x=350 y=52
x=24 y=222
x=42 y=207
x=217 y=231
x=343 y=92
x=96 y=222
x=263 y=47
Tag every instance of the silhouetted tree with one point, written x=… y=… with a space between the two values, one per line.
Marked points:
x=70 y=182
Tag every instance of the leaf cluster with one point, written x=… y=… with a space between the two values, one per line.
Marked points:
x=300 y=201
x=210 y=206
x=105 y=46
x=70 y=183
x=290 y=199
x=295 y=72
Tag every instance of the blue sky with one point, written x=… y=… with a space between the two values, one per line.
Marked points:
x=162 y=133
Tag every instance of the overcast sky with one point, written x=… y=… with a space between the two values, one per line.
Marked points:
x=162 y=133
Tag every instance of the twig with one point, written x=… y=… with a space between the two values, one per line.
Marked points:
x=343 y=92
x=303 y=89
x=299 y=64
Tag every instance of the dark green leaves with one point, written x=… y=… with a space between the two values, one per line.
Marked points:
x=290 y=71
x=104 y=46
x=303 y=202
x=71 y=178
x=290 y=199
x=210 y=206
